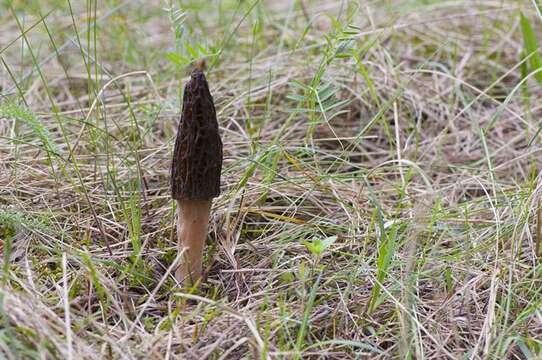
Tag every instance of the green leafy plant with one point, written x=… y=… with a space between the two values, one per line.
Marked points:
x=24 y=115
x=187 y=50
x=318 y=246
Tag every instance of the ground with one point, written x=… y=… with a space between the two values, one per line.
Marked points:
x=380 y=188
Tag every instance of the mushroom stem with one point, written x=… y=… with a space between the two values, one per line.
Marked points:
x=192 y=223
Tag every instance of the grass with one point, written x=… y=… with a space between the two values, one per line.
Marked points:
x=381 y=188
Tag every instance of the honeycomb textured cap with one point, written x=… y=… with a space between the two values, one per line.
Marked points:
x=197 y=155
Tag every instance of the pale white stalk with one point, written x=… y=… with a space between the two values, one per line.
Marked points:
x=192 y=224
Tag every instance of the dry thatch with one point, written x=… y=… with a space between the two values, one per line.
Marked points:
x=402 y=151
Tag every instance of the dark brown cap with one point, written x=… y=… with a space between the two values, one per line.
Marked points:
x=197 y=156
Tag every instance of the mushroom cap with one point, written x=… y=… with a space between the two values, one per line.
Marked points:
x=197 y=155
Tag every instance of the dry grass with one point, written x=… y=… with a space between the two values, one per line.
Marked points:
x=404 y=142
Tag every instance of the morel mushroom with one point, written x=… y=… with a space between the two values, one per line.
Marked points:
x=195 y=174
